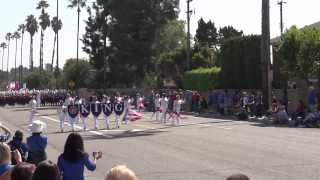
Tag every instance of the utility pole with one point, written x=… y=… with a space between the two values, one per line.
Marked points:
x=281 y=3
x=265 y=54
x=189 y=12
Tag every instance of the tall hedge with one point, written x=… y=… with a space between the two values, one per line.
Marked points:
x=202 y=79
x=240 y=63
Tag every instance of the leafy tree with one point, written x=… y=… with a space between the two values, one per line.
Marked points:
x=228 y=32
x=38 y=79
x=206 y=34
x=132 y=36
x=78 y=72
x=240 y=63
x=32 y=28
x=300 y=52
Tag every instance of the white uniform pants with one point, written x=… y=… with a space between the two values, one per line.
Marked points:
x=83 y=119
x=106 y=119
x=117 y=121
x=164 y=116
x=32 y=115
x=72 y=121
x=95 y=119
x=62 y=117
x=157 y=114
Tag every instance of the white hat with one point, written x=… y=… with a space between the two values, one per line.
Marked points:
x=37 y=126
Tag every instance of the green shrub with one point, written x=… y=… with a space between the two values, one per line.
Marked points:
x=202 y=79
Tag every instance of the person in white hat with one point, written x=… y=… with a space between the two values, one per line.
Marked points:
x=33 y=104
x=37 y=143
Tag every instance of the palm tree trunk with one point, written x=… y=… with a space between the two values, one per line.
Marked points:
x=78 y=31
x=15 y=61
x=21 y=67
x=53 y=51
x=41 y=50
x=2 y=59
x=31 y=53
x=8 y=61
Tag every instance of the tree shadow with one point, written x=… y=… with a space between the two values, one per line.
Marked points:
x=122 y=135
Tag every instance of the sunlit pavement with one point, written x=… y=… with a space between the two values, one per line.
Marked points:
x=199 y=148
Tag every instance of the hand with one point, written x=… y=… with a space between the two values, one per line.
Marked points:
x=17 y=156
x=97 y=155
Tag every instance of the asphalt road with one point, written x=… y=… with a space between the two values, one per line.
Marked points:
x=199 y=149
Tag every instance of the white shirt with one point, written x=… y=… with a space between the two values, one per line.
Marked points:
x=177 y=105
x=33 y=104
x=157 y=102
x=164 y=103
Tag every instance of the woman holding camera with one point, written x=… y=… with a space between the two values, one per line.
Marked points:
x=72 y=161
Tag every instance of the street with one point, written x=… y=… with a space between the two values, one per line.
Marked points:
x=199 y=149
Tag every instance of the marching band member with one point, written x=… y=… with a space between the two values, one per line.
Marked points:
x=164 y=107
x=72 y=119
x=177 y=109
x=118 y=105
x=140 y=105
x=157 y=102
x=96 y=104
x=84 y=112
x=62 y=111
x=106 y=101
x=33 y=104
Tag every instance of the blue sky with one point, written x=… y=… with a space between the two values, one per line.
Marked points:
x=242 y=14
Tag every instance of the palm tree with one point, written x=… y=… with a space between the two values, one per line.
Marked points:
x=265 y=53
x=8 y=38
x=79 y=4
x=21 y=28
x=56 y=25
x=16 y=36
x=44 y=23
x=32 y=28
x=3 y=45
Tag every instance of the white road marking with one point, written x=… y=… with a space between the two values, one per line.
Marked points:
x=76 y=126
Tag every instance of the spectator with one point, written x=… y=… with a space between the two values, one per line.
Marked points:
x=74 y=159
x=238 y=177
x=17 y=144
x=47 y=170
x=203 y=104
x=299 y=114
x=23 y=171
x=312 y=99
x=121 y=173
x=5 y=161
x=37 y=143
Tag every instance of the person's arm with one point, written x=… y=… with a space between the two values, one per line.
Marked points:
x=90 y=165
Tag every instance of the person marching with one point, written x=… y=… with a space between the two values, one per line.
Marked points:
x=62 y=111
x=157 y=106
x=96 y=110
x=33 y=104
x=140 y=105
x=84 y=112
x=107 y=109
x=127 y=104
x=164 y=107
x=118 y=109
x=177 y=109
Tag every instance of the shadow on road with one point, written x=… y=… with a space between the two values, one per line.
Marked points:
x=126 y=134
